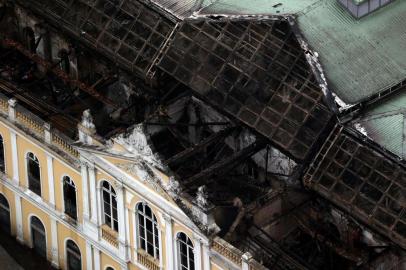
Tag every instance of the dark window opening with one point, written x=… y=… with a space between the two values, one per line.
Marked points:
x=34 y=174
x=2 y=157
x=73 y=257
x=4 y=215
x=69 y=195
x=38 y=237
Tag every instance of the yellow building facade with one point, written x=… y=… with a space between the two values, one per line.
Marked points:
x=92 y=206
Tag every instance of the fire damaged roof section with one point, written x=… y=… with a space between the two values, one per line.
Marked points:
x=127 y=30
x=358 y=178
x=254 y=70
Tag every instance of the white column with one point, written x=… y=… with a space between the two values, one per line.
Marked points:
x=206 y=256
x=197 y=248
x=161 y=257
x=50 y=170
x=19 y=218
x=14 y=156
x=122 y=239
x=96 y=258
x=93 y=194
x=127 y=228
x=89 y=201
x=85 y=189
x=54 y=243
x=169 y=241
x=246 y=257
x=89 y=256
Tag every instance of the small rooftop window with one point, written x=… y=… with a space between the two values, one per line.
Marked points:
x=360 y=8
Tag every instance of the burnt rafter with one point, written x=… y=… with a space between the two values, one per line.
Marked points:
x=180 y=157
x=222 y=167
x=360 y=178
x=130 y=33
x=59 y=73
x=254 y=71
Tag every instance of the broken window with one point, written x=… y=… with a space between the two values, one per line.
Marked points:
x=185 y=252
x=69 y=196
x=73 y=256
x=148 y=238
x=34 y=174
x=109 y=206
x=2 y=156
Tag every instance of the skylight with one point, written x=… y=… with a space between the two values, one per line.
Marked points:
x=360 y=8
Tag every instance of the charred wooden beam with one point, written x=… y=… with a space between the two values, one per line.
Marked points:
x=222 y=167
x=187 y=124
x=59 y=73
x=202 y=145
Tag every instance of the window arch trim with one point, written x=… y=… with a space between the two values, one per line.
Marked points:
x=29 y=155
x=31 y=243
x=73 y=184
x=110 y=192
x=66 y=252
x=190 y=251
x=142 y=232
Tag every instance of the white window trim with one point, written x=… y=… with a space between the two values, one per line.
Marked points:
x=63 y=198
x=178 y=265
x=65 y=242
x=40 y=174
x=102 y=189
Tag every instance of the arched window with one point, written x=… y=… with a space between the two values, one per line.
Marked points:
x=73 y=257
x=38 y=237
x=109 y=206
x=186 y=257
x=148 y=238
x=34 y=174
x=2 y=157
x=4 y=215
x=109 y=268
x=29 y=39
x=69 y=196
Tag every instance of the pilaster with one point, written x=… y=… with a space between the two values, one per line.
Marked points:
x=89 y=256
x=14 y=156
x=96 y=258
x=54 y=243
x=198 y=252
x=122 y=239
x=19 y=218
x=170 y=256
x=50 y=171
x=206 y=256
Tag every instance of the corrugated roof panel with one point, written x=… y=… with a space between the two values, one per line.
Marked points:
x=360 y=57
x=387 y=131
x=180 y=9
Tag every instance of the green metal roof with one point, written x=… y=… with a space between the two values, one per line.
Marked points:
x=360 y=57
x=385 y=124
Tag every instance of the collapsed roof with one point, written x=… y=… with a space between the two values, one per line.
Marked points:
x=268 y=85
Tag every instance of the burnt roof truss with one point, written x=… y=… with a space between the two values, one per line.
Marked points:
x=254 y=71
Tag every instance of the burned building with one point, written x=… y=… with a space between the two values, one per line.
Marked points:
x=204 y=134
